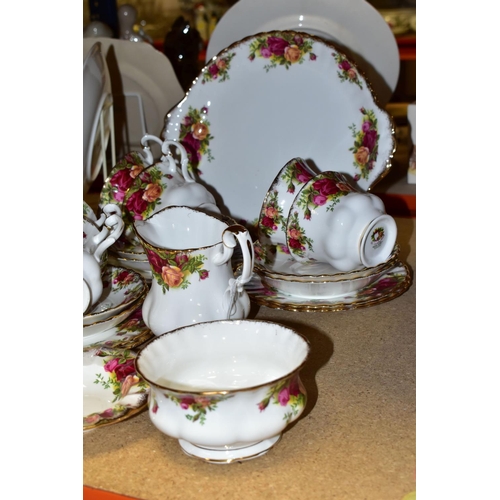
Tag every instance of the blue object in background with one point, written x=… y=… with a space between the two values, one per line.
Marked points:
x=106 y=12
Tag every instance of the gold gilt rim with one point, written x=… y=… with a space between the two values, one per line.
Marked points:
x=129 y=310
x=231 y=460
x=132 y=302
x=328 y=43
x=132 y=342
x=396 y=292
x=130 y=413
x=327 y=278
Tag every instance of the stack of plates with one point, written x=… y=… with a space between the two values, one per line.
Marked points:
x=319 y=280
x=124 y=291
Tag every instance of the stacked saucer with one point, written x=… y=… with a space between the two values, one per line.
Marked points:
x=124 y=290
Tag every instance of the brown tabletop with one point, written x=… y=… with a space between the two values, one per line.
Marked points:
x=355 y=440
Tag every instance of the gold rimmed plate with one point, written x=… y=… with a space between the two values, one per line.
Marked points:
x=112 y=389
x=391 y=284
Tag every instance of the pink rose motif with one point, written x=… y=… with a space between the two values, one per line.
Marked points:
x=136 y=203
x=204 y=110
x=284 y=396
x=181 y=259
x=145 y=177
x=124 y=369
x=366 y=126
x=319 y=200
x=155 y=261
x=92 y=419
x=344 y=65
x=187 y=120
x=123 y=277
x=107 y=413
x=326 y=186
x=262 y=406
x=293 y=243
x=111 y=365
x=294 y=387
x=285 y=249
x=204 y=274
x=251 y=57
x=214 y=70
x=302 y=174
x=298 y=40
x=268 y=222
x=312 y=56
x=122 y=179
x=119 y=195
x=277 y=45
x=370 y=139
x=186 y=402
x=265 y=52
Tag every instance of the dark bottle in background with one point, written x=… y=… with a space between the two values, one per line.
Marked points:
x=182 y=46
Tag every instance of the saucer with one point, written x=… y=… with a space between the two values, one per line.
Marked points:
x=139 y=265
x=229 y=455
x=102 y=330
x=121 y=288
x=129 y=334
x=112 y=390
x=389 y=285
x=283 y=267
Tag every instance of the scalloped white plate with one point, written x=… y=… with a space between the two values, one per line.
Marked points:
x=253 y=109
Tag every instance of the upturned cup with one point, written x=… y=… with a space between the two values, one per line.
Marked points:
x=332 y=221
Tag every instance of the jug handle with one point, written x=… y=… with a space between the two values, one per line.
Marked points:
x=229 y=237
x=111 y=231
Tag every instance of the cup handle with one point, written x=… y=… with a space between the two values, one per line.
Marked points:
x=146 y=155
x=108 y=210
x=111 y=231
x=165 y=149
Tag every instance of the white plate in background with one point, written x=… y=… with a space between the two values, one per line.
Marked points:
x=354 y=25
x=144 y=87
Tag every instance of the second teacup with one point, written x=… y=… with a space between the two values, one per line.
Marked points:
x=332 y=221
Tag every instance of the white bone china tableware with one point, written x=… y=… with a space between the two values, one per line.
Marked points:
x=189 y=252
x=227 y=121
x=225 y=389
x=332 y=221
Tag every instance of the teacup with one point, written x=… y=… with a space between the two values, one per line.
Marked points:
x=332 y=221
x=277 y=202
x=189 y=253
x=225 y=389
